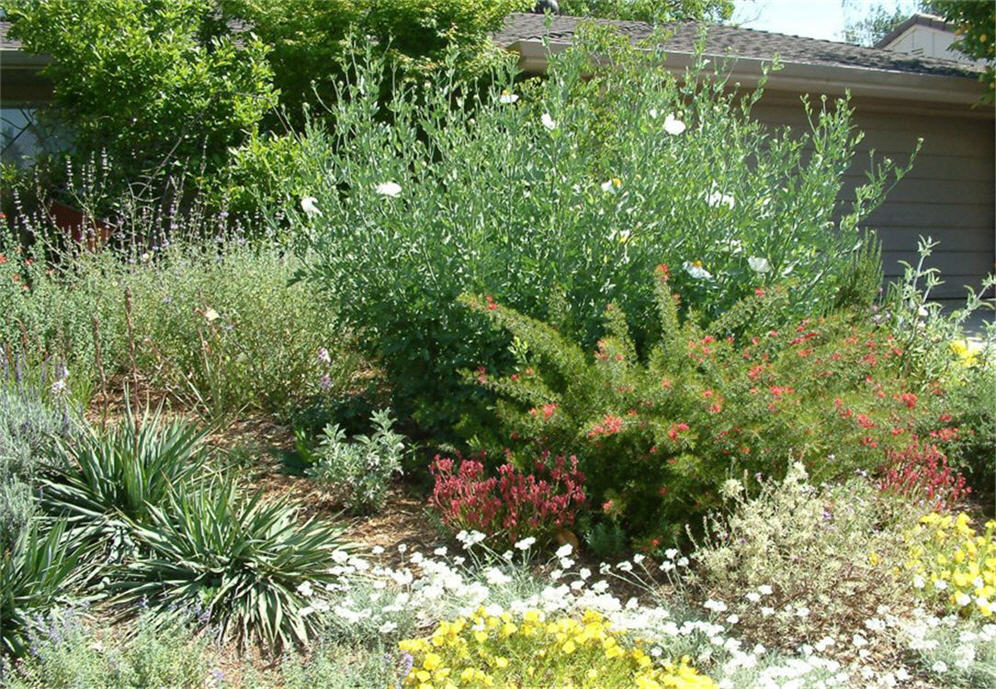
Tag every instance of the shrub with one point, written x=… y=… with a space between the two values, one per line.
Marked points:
x=656 y=440
x=921 y=473
x=251 y=564
x=530 y=650
x=954 y=565
x=954 y=651
x=29 y=431
x=359 y=472
x=148 y=85
x=17 y=509
x=554 y=204
x=31 y=422
x=215 y=322
x=513 y=505
x=67 y=653
x=334 y=666
x=36 y=573
x=798 y=564
x=117 y=476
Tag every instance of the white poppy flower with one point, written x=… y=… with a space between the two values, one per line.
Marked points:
x=309 y=204
x=696 y=270
x=548 y=121
x=758 y=264
x=391 y=189
x=673 y=126
x=717 y=198
x=507 y=97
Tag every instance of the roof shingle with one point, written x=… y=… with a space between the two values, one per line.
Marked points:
x=738 y=42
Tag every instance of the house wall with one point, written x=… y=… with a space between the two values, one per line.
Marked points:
x=949 y=195
x=927 y=41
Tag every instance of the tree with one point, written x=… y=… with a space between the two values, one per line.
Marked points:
x=654 y=11
x=877 y=22
x=147 y=81
x=975 y=22
x=307 y=38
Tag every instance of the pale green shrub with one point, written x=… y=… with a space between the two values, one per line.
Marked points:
x=798 y=563
x=556 y=204
x=359 y=471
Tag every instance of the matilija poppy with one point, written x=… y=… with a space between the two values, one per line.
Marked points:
x=391 y=189
x=695 y=269
x=673 y=126
x=309 y=204
x=758 y=264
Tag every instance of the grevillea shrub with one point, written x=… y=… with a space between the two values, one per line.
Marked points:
x=657 y=438
x=920 y=471
x=513 y=504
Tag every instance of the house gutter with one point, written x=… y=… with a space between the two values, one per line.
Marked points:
x=798 y=77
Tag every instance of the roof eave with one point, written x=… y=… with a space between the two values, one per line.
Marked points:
x=15 y=58
x=801 y=77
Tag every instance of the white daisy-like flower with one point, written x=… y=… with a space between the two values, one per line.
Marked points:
x=564 y=550
x=525 y=543
x=758 y=264
x=309 y=204
x=507 y=97
x=387 y=627
x=653 y=113
x=717 y=198
x=714 y=605
x=695 y=269
x=391 y=189
x=673 y=126
x=765 y=589
x=548 y=121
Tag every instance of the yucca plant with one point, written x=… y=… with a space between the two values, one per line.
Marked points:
x=252 y=565
x=117 y=475
x=35 y=573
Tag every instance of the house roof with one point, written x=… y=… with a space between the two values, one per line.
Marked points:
x=920 y=19
x=738 y=42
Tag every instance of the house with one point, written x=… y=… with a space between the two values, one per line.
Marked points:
x=927 y=36
x=898 y=98
x=22 y=91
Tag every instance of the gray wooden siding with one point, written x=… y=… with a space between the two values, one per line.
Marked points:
x=949 y=195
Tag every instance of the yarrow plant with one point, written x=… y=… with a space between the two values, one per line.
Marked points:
x=511 y=505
